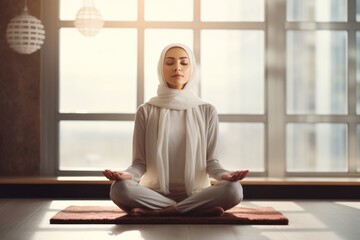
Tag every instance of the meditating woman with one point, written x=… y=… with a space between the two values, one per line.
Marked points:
x=175 y=150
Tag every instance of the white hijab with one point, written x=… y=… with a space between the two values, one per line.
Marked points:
x=179 y=99
x=195 y=177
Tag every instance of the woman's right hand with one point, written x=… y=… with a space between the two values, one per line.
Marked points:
x=116 y=176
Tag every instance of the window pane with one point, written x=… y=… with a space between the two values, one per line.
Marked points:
x=316 y=10
x=232 y=10
x=358 y=10
x=358 y=72
x=316 y=72
x=169 y=10
x=95 y=145
x=155 y=41
x=241 y=146
x=113 y=10
x=319 y=147
x=232 y=70
x=97 y=74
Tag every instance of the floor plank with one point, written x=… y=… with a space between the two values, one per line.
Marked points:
x=4 y=203
x=29 y=219
x=16 y=213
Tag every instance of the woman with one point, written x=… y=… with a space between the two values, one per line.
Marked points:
x=175 y=150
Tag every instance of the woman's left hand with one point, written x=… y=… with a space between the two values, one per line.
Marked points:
x=235 y=176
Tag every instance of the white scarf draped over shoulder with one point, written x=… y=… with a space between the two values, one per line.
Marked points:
x=196 y=177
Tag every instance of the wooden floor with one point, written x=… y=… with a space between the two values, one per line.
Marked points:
x=28 y=219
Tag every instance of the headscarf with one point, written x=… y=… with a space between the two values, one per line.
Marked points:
x=179 y=99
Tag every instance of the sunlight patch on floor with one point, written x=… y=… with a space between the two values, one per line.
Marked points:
x=282 y=206
x=355 y=205
x=61 y=204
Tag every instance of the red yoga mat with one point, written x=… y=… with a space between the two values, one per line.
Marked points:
x=114 y=215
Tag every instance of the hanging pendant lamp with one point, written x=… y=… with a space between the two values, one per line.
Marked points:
x=25 y=34
x=88 y=19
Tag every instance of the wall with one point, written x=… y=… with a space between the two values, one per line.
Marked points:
x=19 y=99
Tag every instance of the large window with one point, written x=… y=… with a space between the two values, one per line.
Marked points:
x=283 y=76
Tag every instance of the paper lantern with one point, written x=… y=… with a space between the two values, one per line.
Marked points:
x=25 y=34
x=89 y=20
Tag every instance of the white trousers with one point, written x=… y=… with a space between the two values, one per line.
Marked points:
x=128 y=194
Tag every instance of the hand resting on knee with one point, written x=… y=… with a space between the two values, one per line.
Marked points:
x=116 y=175
x=235 y=176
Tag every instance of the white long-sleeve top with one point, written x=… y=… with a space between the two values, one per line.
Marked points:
x=144 y=168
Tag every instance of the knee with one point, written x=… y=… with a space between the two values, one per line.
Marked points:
x=234 y=191
x=119 y=190
x=120 y=194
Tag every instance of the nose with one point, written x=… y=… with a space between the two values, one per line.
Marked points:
x=177 y=68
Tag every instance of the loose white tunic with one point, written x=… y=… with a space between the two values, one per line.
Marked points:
x=144 y=167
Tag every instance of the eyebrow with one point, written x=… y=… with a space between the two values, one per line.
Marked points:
x=179 y=58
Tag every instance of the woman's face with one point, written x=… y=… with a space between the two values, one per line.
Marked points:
x=176 y=68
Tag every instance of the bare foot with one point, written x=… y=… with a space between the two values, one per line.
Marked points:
x=211 y=212
x=137 y=212
x=171 y=211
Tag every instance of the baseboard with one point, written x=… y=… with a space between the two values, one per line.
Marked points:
x=254 y=188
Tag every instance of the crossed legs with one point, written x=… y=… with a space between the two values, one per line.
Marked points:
x=139 y=200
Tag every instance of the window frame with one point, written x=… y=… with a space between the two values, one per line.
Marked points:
x=350 y=119
x=274 y=117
